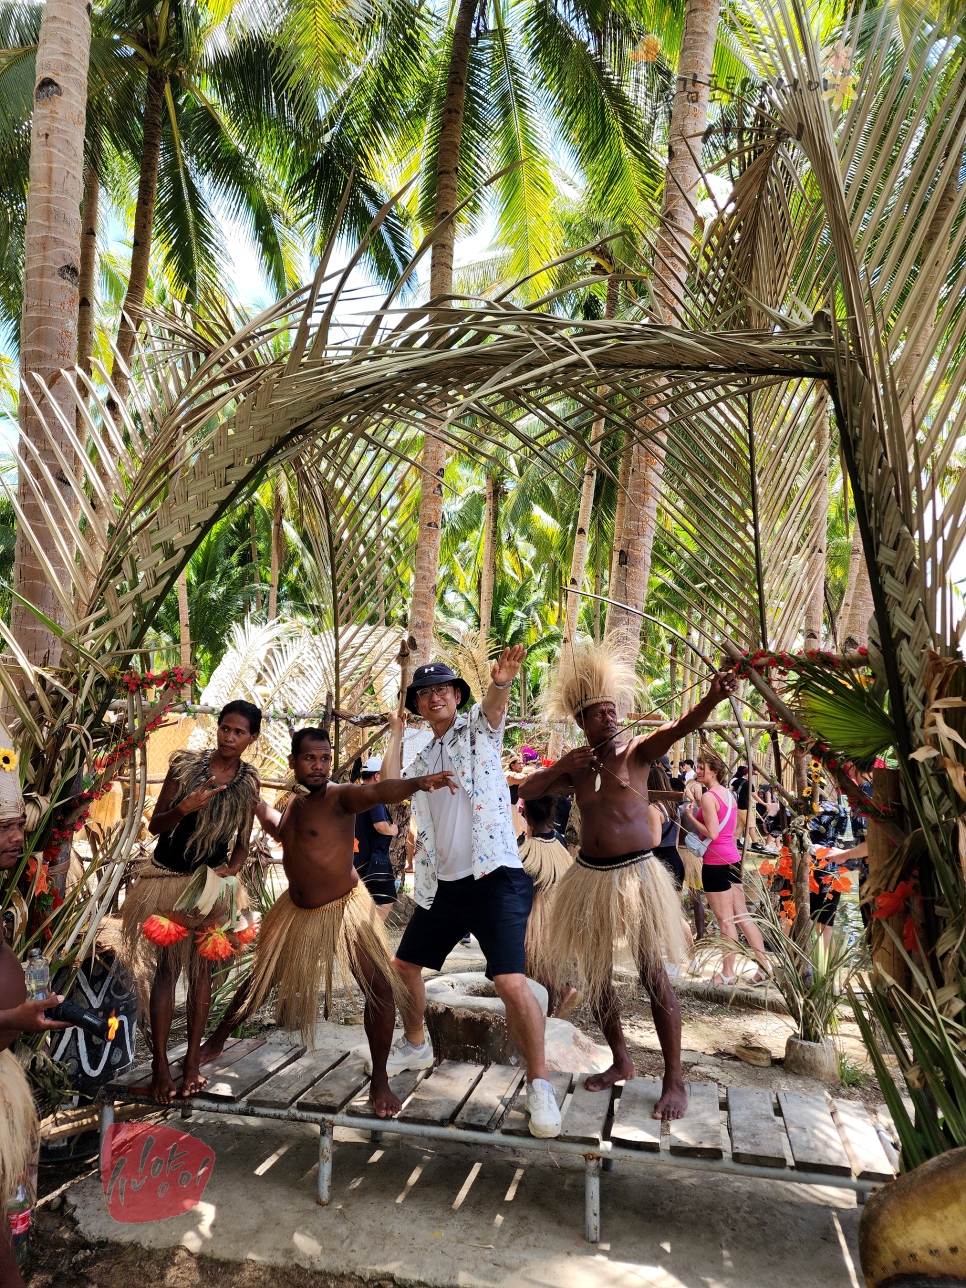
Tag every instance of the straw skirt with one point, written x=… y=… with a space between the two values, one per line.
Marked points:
x=631 y=912
x=299 y=949
x=546 y=862
x=18 y=1125
x=157 y=890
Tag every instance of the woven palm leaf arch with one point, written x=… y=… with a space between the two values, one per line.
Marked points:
x=218 y=405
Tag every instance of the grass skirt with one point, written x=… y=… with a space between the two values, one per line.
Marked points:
x=632 y=911
x=546 y=861
x=692 y=868
x=18 y=1125
x=299 y=949
x=157 y=889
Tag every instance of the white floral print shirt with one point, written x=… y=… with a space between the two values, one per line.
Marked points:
x=473 y=747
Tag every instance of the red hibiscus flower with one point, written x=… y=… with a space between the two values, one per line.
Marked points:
x=213 y=944
x=890 y=902
x=163 y=930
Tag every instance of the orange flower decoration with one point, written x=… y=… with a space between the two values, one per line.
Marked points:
x=42 y=887
x=163 y=930
x=789 y=909
x=910 y=940
x=213 y=944
x=890 y=902
x=843 y=883
x=767 y=868
x=812 y=885
x=247 y=933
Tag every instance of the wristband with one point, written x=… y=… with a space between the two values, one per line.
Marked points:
x=501 y=686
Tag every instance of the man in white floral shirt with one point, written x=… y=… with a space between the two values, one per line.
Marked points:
x=467 y=870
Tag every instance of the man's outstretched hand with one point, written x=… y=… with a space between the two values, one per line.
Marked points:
x=723 y=685
x=507 y=665
x=431 y=782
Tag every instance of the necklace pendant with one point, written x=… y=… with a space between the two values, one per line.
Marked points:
x=597 y=783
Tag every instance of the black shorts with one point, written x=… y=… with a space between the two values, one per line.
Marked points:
x=494 y=909
x=822 y=909
x=376 y=875
x=668 y=854
x=717 y=878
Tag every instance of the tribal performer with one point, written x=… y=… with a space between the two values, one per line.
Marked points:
x=326 y=917
x=546 y=859
x=18 y=1117
x=617 y=895
x=203 y=821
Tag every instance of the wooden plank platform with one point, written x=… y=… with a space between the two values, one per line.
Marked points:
x=235 y=1049
x=403 y=1084
x=235 y=1081
x=586 y=1114
x=440 y=1097
x=698 y=1133
x=756 y=1137
x=490 y=1098
x=337 y=1087
x=862 y=1144
x=633 y=1125
x=517 y=1120
x=285 y=1087
x=813 y=1136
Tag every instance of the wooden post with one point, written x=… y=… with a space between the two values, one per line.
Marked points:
x=885 y=952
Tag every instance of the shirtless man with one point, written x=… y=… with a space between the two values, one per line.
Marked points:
x=19 y=1121
x=615 y=877
x=326 y=914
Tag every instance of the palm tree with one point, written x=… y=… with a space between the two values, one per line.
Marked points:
x=479 y=117
x=48 y=332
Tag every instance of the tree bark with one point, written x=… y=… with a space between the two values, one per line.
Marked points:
x=422 y=614
x=689 y=117
x=184 y=623
x=137 y=281
x=87 y=283
x=855 y=627
x=276 y=554
x=256 y=570
x=818 y=536
x=856 y=562
x=48 y=333
x=491 y=523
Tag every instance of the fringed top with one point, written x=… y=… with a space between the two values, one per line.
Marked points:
x=545 y=860
x=207 y=836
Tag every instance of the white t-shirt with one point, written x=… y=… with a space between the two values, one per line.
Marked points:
x=452 y=821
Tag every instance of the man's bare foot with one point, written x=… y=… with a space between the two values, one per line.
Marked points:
x=674 y=1099
x=384 y=1100
x=161 y=1088
x=570 y=1000
x=192 y=1082
x=616 y=1073
x=211 y=1049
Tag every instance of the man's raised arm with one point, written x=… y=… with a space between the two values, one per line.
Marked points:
x=651 y=748
x=547 y=782
x=355 y=798
x=502 y=674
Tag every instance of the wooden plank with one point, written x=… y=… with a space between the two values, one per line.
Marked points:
x=633 y=1125
x=517 y=1120
x=403 y=1084
x=235 y=1048
x=698 y=1133
x=284 y=1087
x=142 y=1072
x=586 y=1114
x=490 y=1097
x=813 y=1136
x=755 y=1135
x=337 y=1087
x=243 y=1076
x=862 y=1144
x=439 y=1097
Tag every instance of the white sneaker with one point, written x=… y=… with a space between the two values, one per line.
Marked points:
x=403 y=1055
x=542 y=1108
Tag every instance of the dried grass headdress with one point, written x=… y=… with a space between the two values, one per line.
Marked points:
x=589 y=673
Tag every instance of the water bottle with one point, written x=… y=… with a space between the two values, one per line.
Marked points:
x=37 y=975
x=19 y=1208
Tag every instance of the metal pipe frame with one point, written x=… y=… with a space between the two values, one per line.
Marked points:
x=596 y=1156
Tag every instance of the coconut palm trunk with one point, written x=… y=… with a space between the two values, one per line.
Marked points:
x=422 y=613
x=87 y=283
x=689 y=115
x=491 y=523
x=137 y=281
x=818 y=535
x=276 y=553
x=48 y=332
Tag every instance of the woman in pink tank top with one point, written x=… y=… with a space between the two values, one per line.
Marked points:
x=721 y=867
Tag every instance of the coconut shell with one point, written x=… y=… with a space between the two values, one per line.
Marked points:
x=914 y=1230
